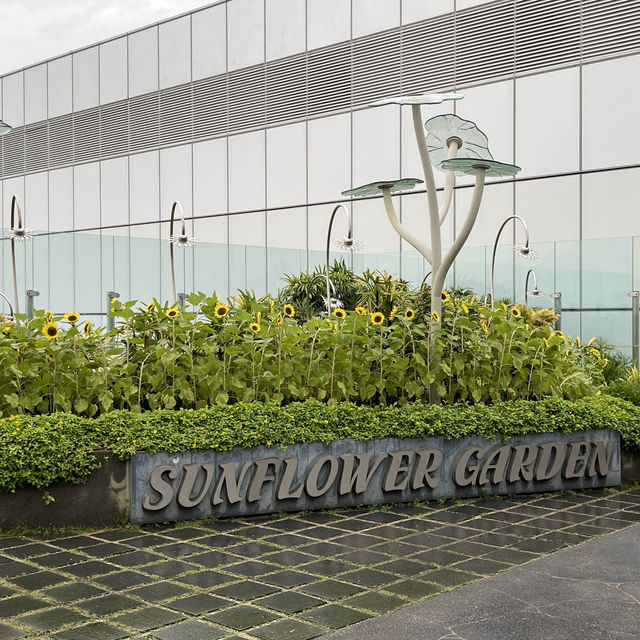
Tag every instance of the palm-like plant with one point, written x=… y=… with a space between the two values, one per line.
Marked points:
x=382 y=291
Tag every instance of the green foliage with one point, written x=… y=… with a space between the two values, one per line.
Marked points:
x=382 y=291
x=39 y=450
x=628 y=390
x=617 y=366
x=199 y=358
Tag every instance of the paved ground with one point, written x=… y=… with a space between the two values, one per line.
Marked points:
x=590 y=591
x=297 y=577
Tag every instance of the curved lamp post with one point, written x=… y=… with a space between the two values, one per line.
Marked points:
x=17 y=233
x=522 y=250
x=181 y=239
x=347 y=243
x=8 y=302
x=4 y=128
x=535 y=292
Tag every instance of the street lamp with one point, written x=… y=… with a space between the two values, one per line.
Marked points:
x=536 y=293
x=177 y=240
x=17 y=233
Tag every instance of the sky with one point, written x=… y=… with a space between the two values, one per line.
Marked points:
x=34 y=30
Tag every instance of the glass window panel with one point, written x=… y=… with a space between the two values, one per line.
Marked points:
x=89 y=297
x=13 y=99
x=36 y=202
x=210 y=177
x=370 y=16
x=376 y=153
x=604 y=125
x=544 y=271
x=114 y=194
x=470 y=269
x=611 y=204
x=144 y=187
x=287 y=165
x=209 y=34
x=285 y=28
x=247 y=253
x=329 y=157
x=607 y=272
x=287 y=246
x=414 y=10
x=245 y=28
x=40 y=269
x=317 y=229
x=62 y=255
x=570 y=323
x=183 y=261
x=175 y=52
x=246 y=171
x=328 y=21
x=211 y=256
x=496 y=206
x=113 y=70
x=59 y=85
x=115 y=262
x=175 y=179
x=615 y=327
x=35 y=93
x=567 y=258
x=143 y=61
x=61 y=200
x=145 y=262
x=86 y=87
x=552 y=99
x=86 y=195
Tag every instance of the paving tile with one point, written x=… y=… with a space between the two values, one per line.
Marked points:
x=169 y=568
x=483 y=566
x=376 y=602
x=198 y=604
x=38 y=580
x=290 y=524
x=401 y=549
x=245 y=590
x=629 y=516
x=219 y=540
x=368 y=577
x=288 y=558
x=405 y=567
x=214 y=559
x=290 y=602
x=323 y=533
x=179 y=549
x=448 y=516
x=327 y=567
x=447 y=577
x=520 y=530
x=106 y=549
x=383 y=517
x=13 y=568
x=580 y=529
x=288 y=540
x=538 y=545
x=496 y=539
x=205 y=579
x=5 y=592
x=190 y=630
x=335 y=616
x=324 y=549
x=288 y=578
x=440 y=557
x=146 y=541
x=252 y=568
x=242 y=617
x=110 y=603
x=186 y=533
x=52 y=619
x=611 y=524
x=250 y=549
x=294 y=629
x=10 y=633
x=60 y=559
x=428 y=540
x=357 y=541
x=410 y=509
x=366 y=558
x=456 y=532
x=91 y=568
x=31 y=550
x=254 y=532
x=470 y=548
x=17 y=605
x=148 y=618
x=417 y=524
x=469 y=510
x=511 y=556
x=484 y=524
x=117 y=535
x=122 y=580
x=158 y=591
x=548 y=524
x=74 y=542
x=9 y=542
x=94 y=631
x=414 y=588
x=353 y=524
x=135 y=558
x=74 y=591
x=331 y=589
x=591 y=510
x=322 y=518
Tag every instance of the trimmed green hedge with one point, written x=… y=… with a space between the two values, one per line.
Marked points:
x=40 y=450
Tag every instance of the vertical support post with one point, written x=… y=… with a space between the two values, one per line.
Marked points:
x=557 y=307
x=635 y=327
x=111 y=322
x=182 y=299
x=31 y=294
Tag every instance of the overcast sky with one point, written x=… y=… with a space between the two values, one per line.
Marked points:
x=34 y=30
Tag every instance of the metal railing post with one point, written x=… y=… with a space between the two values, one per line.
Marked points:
x=557 y=308
x=111 y=321
x=635 y=327
x=31 y=294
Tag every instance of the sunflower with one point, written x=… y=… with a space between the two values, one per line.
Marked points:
x=377 y=317
x=86 y=328
x=445 y=297
x=361 y=311
x=409 y=314
x=546 y=342
x=289 y=311
x=279 y=319
x=515 y=312
x=150 y=307
x=50 y=330
x=174 y=312
x=595 y=352
x=392 y=315
x=255 y=327
x=436 y=316
x=485 y=328
x=465 y=308
x=340 y=313
x=72 y=317
x=504 y=306
x=221 y=310
x=271 y=305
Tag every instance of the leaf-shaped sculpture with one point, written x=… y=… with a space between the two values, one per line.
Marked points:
x=425 y=98
x=471 y=166
x=375 y=188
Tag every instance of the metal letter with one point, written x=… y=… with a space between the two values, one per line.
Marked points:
x=523 y=457
x=499 y=467
x=576 y=462
x=261 y=475
x=601 y=455
x=428 y=462
x=284 y=487
x=362 y=475
x=188 y=481
x=311 y=482
x=228 y=479
x=164 y=488
x=459 y=470
x=544 y=470
x=395 y=469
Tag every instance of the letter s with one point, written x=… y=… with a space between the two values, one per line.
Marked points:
x=164 y=488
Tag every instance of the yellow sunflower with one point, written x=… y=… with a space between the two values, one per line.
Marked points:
x=392 y=315
x=289 y=311
x=361 y=311
x=86 y=328
x=436 y=316
x=271 y=305
x=72 y=317
x=50 y=330
x=465 y=308
x=445 y=297
x=409 y=314
x=515 y=312
x=255 y=327
x=377 y=317
x=279 y=319
x=221 y=310
x=595 y=352
x=485 y=328
x=174 y=312
x=150 y=307
x=340 y=313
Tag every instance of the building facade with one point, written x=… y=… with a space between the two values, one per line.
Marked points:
x=253 y=114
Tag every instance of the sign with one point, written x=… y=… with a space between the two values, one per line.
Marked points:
x=169 y=487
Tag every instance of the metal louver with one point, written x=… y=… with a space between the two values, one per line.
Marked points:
x=376 y=66
x=61 y=141
x=13 y=156
x=329 y=79
x=287 y=89
x=36 y=146
x=610 y=27
x=114 y=129
x=144 y=122
x=247 y=99
x=176 y=117
x=86 y=135
x=210 y=107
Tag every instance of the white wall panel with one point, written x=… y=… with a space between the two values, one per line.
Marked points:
x=329 y=157
x=245 y=28
x=246 y=171
x=13 y=99
x=60 y=83
x=210 y=177
x=143 y=61
x=113 y=70
x=175 y=180
x=175 y=52
x=35 y=93
x=247 y=229
x=209 y=41
x=414 y=10
x=36 y=201
x=465 y=4
x=61 y=199
x=86 y=195
x=328 y=21
x=86 y=86
x=286 y=26
x=370 y=16
x=287 y=165
x=496 y=206
x=115 y=191
x=144 y=187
